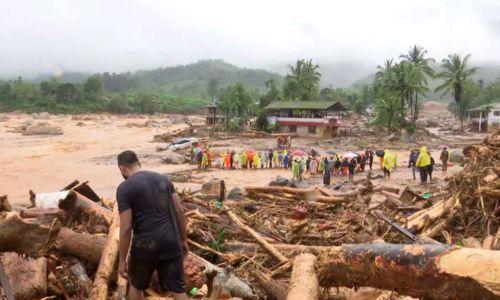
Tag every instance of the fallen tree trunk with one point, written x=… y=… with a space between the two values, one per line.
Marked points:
x=289 y=250
x=236 y=286
x=88 y=207
x=108 y=259
x=25 y=237
x=28 y=277
x=431 y=214
x=85 y=246
x=279 y=189
x=271 y=286
x=303 y=283
x=269 y=248
x=429 y=271
x=38 y=212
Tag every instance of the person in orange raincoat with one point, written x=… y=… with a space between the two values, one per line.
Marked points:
x=227 y=161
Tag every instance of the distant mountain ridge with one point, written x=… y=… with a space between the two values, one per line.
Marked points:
x=189 y=80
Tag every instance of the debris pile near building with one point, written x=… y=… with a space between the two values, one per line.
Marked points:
x=276 y=241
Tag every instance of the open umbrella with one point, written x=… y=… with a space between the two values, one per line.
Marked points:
x=380 y=153
x=299 y=153
x=331 y=152
x=350 y=155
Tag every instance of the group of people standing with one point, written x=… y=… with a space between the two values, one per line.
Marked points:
x=423 y=163
x=248 y=159
x=345 y=166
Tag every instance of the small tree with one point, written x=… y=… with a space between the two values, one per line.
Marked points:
x=66 y=93
x=387 y=110
x=93 y=88
x=262 y=123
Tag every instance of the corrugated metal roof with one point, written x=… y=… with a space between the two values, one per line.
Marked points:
x=305 y=105
x=487 y=106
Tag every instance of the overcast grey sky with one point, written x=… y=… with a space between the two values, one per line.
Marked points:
x=119 y=35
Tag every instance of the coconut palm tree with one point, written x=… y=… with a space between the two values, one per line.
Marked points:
x=417 y=57
x=456 y=74
x=303 y=81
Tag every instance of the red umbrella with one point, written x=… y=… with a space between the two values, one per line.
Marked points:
x=299 y=153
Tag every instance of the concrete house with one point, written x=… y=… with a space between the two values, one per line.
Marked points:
x=319 y=119
x=485 y=117
x=213 y=115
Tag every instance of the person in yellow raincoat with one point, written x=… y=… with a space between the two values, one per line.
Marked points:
x=423 y=164
x=204 y=160
x=256 y=160
x=244 y=158
x=390 y=161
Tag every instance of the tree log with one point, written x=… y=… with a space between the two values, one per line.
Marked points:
x=37 y=212
x=25 y=237
x=85 y=246
x=431 y=214
x=78 y=270
x=429 y=271
x=303 y=283
x=88 y=207
x=271 y=286
x=269 y=248
x=279 y=189
x=108 y=259
x=235 y=285
x=28 y=277
x=289 y=250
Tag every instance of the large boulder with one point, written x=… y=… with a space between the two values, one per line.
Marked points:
x=172 y=157
x=456 y=156
x=42 y=129
x=214 y=187
x=279 y=181
x=235 y=194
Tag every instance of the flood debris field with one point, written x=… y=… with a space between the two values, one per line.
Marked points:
x=258 y=236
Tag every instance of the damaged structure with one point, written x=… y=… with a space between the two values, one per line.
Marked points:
x=485 y=117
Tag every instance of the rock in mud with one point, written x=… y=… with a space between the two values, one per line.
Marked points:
x=235 y=194
x=279 y=181
x=42 y=129
x=456 y=156
x=173 y=158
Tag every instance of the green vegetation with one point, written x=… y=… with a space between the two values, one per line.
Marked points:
x=199 y=80
x=302 y=84
x=397 y=87
x=58 y=97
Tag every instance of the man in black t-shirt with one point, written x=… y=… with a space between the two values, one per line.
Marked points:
x=150 y=207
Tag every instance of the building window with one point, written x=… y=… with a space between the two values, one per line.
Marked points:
x=496 y=113
x=312 y=129
x=292 y=128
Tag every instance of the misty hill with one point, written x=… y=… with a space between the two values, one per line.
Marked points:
x=189 y=80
